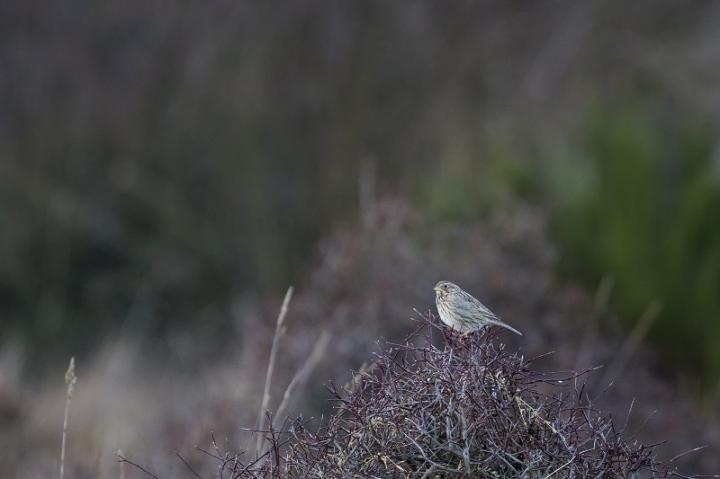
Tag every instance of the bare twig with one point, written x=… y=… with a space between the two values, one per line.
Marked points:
x=560 y=468
x=187 y=464
x=121 y=464
x=123 y=459
x=682 y=454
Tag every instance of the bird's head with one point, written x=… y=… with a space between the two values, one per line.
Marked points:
x=445 y=288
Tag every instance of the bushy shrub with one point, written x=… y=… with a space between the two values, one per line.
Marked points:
x=467 y=408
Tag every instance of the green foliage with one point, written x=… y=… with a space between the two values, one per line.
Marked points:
x=642 y=206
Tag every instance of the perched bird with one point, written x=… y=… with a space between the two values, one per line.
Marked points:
x=462 y=312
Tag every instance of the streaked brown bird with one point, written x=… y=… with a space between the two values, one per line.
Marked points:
x=463 y=312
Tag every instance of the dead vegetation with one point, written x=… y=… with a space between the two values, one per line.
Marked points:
x=465 y=408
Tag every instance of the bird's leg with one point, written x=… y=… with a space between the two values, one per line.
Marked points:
x=464 y=339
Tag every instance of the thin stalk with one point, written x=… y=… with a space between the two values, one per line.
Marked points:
x=279 y=332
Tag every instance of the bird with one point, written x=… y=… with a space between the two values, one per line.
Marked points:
x=463 y=312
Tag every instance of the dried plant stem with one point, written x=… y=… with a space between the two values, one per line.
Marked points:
x=279 y=331
x=632 y=342
x=600 y=309
x=70 y=380
x=304 y=372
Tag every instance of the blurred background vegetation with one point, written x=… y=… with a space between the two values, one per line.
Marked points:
x=169 y=169
x=159 y=161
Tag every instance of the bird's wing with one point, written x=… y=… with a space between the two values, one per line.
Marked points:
x=483 y=309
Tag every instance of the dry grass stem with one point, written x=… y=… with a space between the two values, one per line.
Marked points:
x=601 y=304
x=70 y=380
x=302 y=375
x=633 y=341
x=279 y=332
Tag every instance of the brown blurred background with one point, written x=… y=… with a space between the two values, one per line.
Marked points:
x=168 y=169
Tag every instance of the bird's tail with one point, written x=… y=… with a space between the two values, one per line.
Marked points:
x=503 y=325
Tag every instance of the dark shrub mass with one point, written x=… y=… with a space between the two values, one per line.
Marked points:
x=466 y=408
